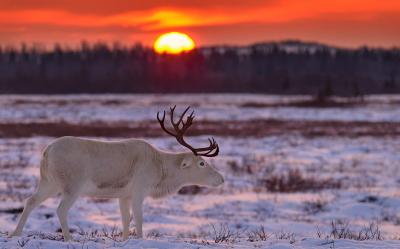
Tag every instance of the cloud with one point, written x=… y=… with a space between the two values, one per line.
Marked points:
x=380 y=30
x=109 y=7
x=207 y=21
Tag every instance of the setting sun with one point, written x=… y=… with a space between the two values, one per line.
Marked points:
x=173 y=43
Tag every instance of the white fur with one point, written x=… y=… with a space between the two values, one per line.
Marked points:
x=130 y=170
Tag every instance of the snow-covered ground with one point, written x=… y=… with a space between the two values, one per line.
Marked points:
x=130 y=108
x=285 y=191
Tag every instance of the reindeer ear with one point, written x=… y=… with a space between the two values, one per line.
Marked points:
x=186 y=162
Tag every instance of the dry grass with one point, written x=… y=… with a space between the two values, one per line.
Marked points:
x=23 y=242
x=315 y=206
x=113 y=233
x=391 y=217
x=251 y=128
x=46 y=236
x=258 y=235
x=223 y=234
x=340 y=229
x=285 y=235
x=238 y=169
x=295 y=181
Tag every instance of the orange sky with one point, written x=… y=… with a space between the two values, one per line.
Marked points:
x=347 y=23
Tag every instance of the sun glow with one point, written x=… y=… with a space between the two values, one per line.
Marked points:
x=173 y=43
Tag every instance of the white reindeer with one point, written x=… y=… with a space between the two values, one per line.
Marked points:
x=130 y=170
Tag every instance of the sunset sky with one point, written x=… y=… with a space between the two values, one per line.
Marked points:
x=348 y=23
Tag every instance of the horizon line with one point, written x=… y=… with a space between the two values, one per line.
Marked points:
x=43 y=46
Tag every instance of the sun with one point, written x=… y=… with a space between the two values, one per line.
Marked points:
x=173 y=43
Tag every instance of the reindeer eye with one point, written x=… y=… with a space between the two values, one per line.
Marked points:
x=202 y=164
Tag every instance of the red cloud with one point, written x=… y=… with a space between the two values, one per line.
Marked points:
x=342 y=22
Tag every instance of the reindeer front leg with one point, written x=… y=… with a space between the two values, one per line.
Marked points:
x=126 y=217
x=137 y=204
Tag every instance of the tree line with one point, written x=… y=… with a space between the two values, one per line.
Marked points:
x=289 y=67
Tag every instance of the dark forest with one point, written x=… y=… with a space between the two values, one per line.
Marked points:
x=289 y=67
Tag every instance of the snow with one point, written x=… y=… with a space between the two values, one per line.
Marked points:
x=130 y=108
x=366 y=167
x=35 y=243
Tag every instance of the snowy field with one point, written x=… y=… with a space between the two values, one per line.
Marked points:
x=288 y=190
x=129 y=108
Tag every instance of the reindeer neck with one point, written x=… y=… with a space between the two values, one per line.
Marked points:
x=171 y=178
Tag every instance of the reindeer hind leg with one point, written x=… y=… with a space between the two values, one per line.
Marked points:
x=44 y=191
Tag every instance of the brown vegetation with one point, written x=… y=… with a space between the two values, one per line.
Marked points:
x=295 y=181
x=340 y=229
x=258 y=235
x=315 y=206
x=223 y=234
x=251 y=128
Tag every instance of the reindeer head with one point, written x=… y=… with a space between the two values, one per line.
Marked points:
x=198 y=170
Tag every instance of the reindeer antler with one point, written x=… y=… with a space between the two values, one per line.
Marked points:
x=180 y=129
